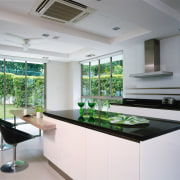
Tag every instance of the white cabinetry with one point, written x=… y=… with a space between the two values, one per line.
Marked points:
x=65 y=147
x=111 y=158
x=123 y=159
x=96 y=155
x=52 y=142
x=86 y=154
x=159 y=157
x=73 y=150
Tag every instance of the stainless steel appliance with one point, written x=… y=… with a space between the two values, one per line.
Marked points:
x=168 y=100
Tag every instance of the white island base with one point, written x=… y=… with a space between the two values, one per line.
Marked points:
x=86 y=154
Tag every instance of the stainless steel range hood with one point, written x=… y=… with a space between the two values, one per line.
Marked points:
x=152 y=60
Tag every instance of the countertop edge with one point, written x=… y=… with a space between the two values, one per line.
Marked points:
x=110 y=131
x=96 y=128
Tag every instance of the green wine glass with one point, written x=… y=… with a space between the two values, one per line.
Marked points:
x=81 y=105
x=91 y=105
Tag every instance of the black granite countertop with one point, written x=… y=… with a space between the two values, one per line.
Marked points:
x=149 y=103
x=101 y=123
x=165 y=107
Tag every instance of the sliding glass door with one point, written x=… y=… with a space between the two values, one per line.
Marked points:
x=21 y=85
x=1 y=89
x=15 y=86
x=35 y=84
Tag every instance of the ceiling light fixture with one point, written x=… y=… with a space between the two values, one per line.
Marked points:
x=55 y=37
x=116 y=28
x=45 y=58
x=90 y=55
x=45 y=35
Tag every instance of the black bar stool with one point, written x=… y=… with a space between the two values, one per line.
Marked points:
x=3 y=146
x=13 y=137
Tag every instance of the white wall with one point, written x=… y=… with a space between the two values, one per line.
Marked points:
x=56 y=95
x=63 y=85
x=74 y=88
x=64 y=79
x=169 y=60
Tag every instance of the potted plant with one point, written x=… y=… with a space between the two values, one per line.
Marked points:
x=38 y=111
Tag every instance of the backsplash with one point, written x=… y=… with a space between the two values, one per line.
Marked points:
x=153 y=87
x=154 y=103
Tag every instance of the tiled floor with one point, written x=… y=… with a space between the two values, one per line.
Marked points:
x=32 y=152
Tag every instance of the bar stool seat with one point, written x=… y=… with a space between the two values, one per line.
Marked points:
x=3 y=146
x=14 y=136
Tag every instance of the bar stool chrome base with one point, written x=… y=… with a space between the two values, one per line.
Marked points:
x=5 y=147
x=12 y=167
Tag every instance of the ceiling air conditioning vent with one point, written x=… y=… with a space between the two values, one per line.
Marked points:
x=66 y=11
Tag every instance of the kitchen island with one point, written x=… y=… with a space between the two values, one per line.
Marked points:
x=94 y=148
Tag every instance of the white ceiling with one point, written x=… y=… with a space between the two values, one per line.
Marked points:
x=137 y=19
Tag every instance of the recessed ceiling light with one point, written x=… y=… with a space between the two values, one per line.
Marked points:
x=55 y=37
x=45 y=35
x=45 y=57
x=116 y=28
x=90 y=55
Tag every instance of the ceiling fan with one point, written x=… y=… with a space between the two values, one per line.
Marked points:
x=24 y=42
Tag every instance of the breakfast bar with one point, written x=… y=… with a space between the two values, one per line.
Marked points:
x=37 y=122
x=106 y=150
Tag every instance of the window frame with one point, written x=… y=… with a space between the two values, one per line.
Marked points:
x=99 y=97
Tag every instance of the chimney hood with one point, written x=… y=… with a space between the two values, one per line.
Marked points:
x=152 y=61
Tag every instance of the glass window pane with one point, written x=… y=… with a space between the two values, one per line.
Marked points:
x=95 y=101
x=105 y=106
x=120 y=101
x=15 y=86
x=105 y=72
x=100 y=74
x=35 y=84
x=1 y=88
x=86 y=102
x=117 y=76
x=94 y=78
x=85 y=79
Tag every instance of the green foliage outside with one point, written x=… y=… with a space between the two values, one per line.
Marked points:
x=105 y=84
x=8 y=108
x=117 y=79
x=117 y=84
x=35 y=91
x=15 y=87
x=9 y=85
x=18 y=68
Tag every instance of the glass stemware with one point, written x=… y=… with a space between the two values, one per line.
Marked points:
x=81 y=105
x=91 y=105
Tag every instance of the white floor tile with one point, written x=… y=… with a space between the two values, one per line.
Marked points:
x=32 y=152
